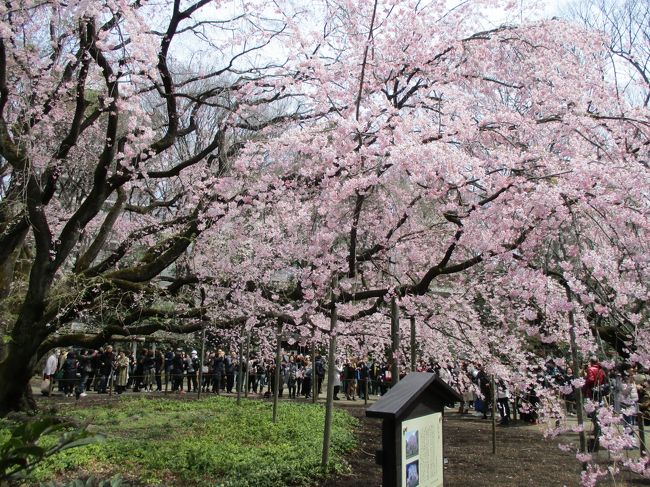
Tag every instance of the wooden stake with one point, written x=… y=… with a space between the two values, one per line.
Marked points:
x=202 y=361
x=248 y=356
x=314 y=375
x=413 y=340
x=329 y=403
x=394 y=333
x=240 y=379
x=494 y=415
x=278 y=364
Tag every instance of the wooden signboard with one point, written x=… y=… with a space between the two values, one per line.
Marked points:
x=412 y=412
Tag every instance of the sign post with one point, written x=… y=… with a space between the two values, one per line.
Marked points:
x=412 y=413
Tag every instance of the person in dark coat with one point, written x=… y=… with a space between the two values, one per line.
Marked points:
x=94 y=378
x=349 y=386
x=70 y=378
x=85 y=368
x=483 y=383
x=169 y=365
x=178 y=365
x=362 y=376
x=252 y=373
x=319 y=368
x=106 y=369
x=148 y=370
x=191 y=370
x=138 y=373
x=158 y=366
x=230 y=363
x=219 y=371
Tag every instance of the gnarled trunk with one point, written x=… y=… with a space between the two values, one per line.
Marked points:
x=16 y=370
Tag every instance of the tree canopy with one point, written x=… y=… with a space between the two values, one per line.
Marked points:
x=491 y=180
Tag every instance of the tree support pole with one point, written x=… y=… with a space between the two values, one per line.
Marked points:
x=413 y=338
x=278 y=365
x=314 y=375
x=642 y=446
x=240 y=379
x=394 y=333
x=248 y=356
x=575 y=363
x=494 y=415
x=202 y=361
x=329 y=404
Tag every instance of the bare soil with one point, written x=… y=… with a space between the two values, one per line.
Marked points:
x=524 y=458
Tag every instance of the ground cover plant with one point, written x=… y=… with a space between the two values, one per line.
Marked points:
x=207 y=442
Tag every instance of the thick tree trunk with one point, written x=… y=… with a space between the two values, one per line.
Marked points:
x=15 y=375
x=17 y=365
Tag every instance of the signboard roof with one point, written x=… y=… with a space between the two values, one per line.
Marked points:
x=397 y=400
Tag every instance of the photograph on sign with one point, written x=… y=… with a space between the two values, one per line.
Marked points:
x=422 y=451
x=412 y=446
x=412 y=474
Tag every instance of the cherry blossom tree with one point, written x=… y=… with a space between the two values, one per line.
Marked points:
x=488 y=180
x=118 y=123
x=498 y=165
x=627 y=35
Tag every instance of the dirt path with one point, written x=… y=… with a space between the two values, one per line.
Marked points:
x=523 y=459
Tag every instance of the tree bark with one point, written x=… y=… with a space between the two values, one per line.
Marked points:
x=16 y=371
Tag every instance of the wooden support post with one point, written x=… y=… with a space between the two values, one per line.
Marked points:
x=248 y=356
x=394 y=333
x=575 y=363
x=413 y=342
x=329 y=403
x=202 y=360
x=240 y=379
x=494 y=414
x=314 y=375
x=642 y=446
x=278 y=365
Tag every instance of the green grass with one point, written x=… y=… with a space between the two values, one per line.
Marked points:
x=209 y=442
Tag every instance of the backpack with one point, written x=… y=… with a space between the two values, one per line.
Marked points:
x=601 y=388
x=320 y=369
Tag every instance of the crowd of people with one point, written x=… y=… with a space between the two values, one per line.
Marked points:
x=624 y=389
x=106 y=370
